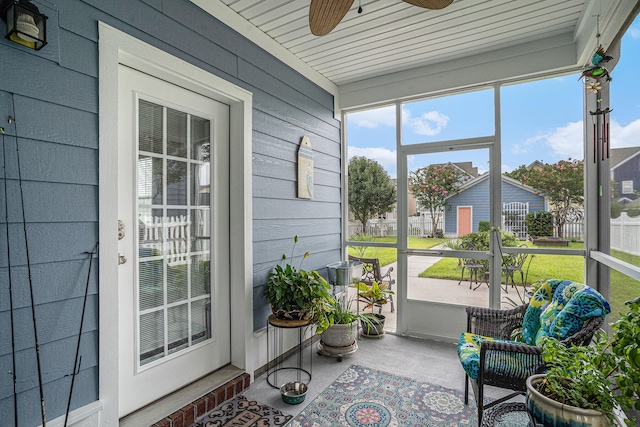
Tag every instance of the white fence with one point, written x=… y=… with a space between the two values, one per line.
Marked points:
x=419 y=226
x=625 y=234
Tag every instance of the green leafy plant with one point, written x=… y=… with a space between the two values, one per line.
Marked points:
x=539 y=223
x=599 y=376
x=292 y=288
x=374 y=296
x=336 y=312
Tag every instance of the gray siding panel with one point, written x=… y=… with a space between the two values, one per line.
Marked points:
x=34 y=77
x=51 y=162
x=78 y=53
x=55 y=92
x=69 y=276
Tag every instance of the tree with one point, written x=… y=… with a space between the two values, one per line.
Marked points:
x=432 y=184
x=371 y=191
x=562 y=183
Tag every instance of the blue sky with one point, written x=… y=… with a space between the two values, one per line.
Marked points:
x=541 y=120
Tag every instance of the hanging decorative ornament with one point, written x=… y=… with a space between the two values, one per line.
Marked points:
x=595 y=70
x=593 y=86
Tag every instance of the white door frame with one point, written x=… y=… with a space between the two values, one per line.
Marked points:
x=116 y=47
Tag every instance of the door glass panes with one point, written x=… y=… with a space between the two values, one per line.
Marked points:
x=174 y=230
x=448 y=204
x=372 y=175
x=624 y=171
x=150 y=127
x=460 y=116
x=176 y=133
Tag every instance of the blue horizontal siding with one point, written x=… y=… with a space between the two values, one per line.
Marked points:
x=55 y=93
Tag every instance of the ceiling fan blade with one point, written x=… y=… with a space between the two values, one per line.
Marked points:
x=324 y=15
x=430 y=4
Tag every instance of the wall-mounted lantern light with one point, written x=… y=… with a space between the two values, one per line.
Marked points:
x=25 y=24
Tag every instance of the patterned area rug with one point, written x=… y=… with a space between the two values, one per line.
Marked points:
x=364 y=397
x=242 y=412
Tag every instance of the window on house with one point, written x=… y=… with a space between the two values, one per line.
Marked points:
x=627 y=187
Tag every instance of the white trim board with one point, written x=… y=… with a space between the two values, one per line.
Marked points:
x=116 y=47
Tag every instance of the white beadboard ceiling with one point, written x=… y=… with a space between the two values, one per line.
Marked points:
x=391 y=37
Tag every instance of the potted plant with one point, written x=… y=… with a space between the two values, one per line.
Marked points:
x=293 y=292
x=336 y=322
x=594 y=381
x=374 y=296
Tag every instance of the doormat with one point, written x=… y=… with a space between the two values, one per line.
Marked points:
x=366 y=397
x=242 y=412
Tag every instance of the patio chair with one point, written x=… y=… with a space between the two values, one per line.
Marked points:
x=474 y=266
x=560 y=309
x=512 y=263
x=371 y=273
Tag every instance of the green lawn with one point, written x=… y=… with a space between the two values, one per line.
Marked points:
x=536 y=267
x=539 y=267
x=623 y=288
x=389 y=255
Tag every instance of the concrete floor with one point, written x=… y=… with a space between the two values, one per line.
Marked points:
x=430 y=361
x=423 y=360
x=426 y=360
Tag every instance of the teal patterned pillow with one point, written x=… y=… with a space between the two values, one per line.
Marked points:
x=537 y=304
x=507 y=364
x=559 y=308
x=583 y=304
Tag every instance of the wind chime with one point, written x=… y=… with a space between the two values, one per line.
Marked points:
x=596 y=74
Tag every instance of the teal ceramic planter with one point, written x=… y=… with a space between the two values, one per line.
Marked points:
x=548 y=412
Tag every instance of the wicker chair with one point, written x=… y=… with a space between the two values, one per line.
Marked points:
x=525 y=359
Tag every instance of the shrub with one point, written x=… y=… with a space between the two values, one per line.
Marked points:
x=484 y=226
x=539 y=223
x=480 y=240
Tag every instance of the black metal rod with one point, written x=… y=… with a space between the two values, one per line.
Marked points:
x=13 y=337
x=76 y=365
x=26 y=244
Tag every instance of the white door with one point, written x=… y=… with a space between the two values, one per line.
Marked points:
x=173 y=198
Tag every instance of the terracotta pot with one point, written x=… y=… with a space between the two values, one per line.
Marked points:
x=340 y=335
x=549 y=412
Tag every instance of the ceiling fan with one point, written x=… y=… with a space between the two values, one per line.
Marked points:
x=325 y=15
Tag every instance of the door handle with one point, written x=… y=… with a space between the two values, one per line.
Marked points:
x=121 y=259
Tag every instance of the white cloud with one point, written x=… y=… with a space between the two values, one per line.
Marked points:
x=567 y=141
x=564 y=142
x=625 y=136
x=634 y=32
x=506 y=168
x=372 y=119
x=429 y=123
x=384 y=156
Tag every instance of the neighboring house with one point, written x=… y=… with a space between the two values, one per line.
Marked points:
x=470 y=205
x=625 y=173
